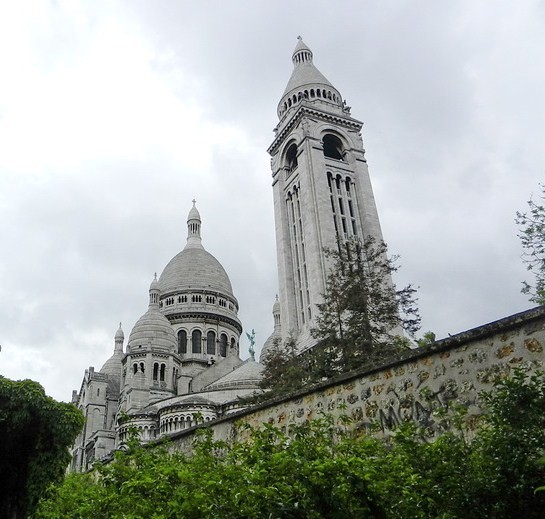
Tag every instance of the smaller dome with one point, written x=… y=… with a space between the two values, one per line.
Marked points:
x=247 y=375
x=152 y=329
x=112 y=366
x=273 y=340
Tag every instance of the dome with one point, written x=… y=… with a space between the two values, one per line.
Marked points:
x=248 y=374
x=272 y=342
x=304 y=76
x=275 y=339
x=112 y=366
x=194 y=268
x=194 y=213
x=154 y=329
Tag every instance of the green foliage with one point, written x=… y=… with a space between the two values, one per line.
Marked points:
x=359 y=322
x=35 y=433
x=284 y=370
x=305 y=474
x=532 y=237
x=362 y=312
x=428 y=339
x=508 y=453
x=322 y=469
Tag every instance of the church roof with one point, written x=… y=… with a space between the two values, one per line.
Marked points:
x=270 y=343
x=112 y=367
x=119 y=335
x=194 y=399
x=194 y=213
x=152 y=329
x=304 y=72
x=247 y=374
x=194 y=267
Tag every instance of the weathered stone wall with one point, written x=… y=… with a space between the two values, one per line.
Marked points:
x=456 y=369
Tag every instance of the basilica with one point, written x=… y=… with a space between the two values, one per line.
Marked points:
x=181 y=364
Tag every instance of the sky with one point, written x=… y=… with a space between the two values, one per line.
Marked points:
x=114 y=115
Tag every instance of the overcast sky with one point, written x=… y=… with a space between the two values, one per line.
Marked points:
x=114 y=115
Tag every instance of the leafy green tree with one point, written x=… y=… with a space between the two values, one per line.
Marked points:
x=312 y=472
x=507 y=454
x=35 y=433
x=285 y=371
x=532 y=237
x=323 y=468
x=361 y=312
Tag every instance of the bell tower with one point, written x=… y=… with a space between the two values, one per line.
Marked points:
x=321 y=188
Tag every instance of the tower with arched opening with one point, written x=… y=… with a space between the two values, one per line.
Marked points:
x=322 y=191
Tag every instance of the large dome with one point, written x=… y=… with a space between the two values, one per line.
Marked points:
x=194 y=268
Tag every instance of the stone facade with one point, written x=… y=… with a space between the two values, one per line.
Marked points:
x=181 y=362
x=454 y=370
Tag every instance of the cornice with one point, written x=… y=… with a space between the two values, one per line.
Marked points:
x=307 y=111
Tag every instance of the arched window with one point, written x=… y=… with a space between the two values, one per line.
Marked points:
x=333 y=147
x=233 y=343
x=182 y=341
x=223 y=345
x=291 y=157
x=163 y=369
x=155 y=371
x=196 y=341
x=211 y=343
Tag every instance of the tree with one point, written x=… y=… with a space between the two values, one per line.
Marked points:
x=507 y=454
x=361 y=312
x=285 y=371
x=323 y=468
x=35 y=433
x=532 y=237
x=303 y=474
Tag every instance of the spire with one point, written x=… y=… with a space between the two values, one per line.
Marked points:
x=119 y=338
x=194 y=227
x=276 y=315
x=301 y=54
x=154 y=293
x=307 y=83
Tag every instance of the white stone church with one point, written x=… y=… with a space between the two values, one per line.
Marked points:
x=181 y=363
